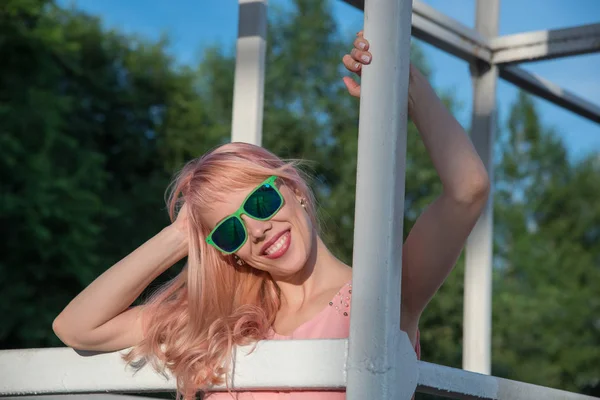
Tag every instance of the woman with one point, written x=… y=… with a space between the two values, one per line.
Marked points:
x=257 y=268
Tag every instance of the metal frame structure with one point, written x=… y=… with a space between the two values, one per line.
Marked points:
x=377 y=361
x=249 y=81
x=451 y=36
x=378 y=350
x=477 y=314
x=283 y=365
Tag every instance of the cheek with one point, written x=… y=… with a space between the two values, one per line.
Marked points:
x=246 y=251
x=304 y=225
x=307 y=223
x=298 y=216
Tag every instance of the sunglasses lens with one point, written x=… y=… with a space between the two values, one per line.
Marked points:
x=229 y=235
x=263 y=203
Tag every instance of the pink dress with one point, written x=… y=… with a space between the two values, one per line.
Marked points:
x=333 y=322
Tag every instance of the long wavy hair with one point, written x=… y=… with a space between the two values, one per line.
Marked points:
x=192 y=323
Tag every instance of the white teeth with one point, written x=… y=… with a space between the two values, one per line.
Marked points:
x=278 y=244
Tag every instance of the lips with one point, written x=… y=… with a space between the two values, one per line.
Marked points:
x=270 y=242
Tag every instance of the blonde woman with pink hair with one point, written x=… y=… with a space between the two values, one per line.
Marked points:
x=256 y=266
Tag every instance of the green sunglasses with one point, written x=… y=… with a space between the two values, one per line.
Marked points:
x=261 y=204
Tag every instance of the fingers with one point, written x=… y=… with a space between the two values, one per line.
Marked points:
x=363 y=57
x=358 y=56
x=361 y=43
x=351 y=64
x=352 y=86
x=354 y=62
x=360 y=52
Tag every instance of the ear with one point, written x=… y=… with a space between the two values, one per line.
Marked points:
x=298 y=194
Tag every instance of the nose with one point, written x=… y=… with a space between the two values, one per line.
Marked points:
x=256 y=229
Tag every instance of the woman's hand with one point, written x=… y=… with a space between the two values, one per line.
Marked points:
x=354 y=62
x=181 y=222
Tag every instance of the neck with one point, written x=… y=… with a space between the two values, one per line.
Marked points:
x=321 y=269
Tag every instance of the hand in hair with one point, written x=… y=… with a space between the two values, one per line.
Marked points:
x=181 y=222
x=101 y=318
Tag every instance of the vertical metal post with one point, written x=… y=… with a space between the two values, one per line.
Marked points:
x=477 y=322
x=381 y=362
x=248 y=91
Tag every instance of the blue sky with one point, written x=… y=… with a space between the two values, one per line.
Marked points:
x=195 y=24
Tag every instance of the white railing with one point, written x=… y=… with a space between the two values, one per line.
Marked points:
x=285 y=365
x=377 y=361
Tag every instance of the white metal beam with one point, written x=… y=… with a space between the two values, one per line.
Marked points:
x=275 y=364
x=467 y=44
x=379 y=355
x=551 y=92
x=65 y=371
x=545 y=45
x=297 y=364
x=459 y=384
x=248 y=91
x=477 y=314
x=448 y=35
x=443 y=32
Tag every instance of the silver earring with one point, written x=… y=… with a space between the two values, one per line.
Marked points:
x=238 y=260
x=303 y=202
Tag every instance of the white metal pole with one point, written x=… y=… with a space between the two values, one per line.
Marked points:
x=248 y=92
x=381 y=362
x=477 y=324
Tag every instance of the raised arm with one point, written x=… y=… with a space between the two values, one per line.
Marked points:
x=99 y=318
x=439 y=234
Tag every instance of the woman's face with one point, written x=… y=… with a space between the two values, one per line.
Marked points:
x=280 y=245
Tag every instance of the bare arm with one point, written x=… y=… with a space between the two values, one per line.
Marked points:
x=439 y=234
x=98 y=318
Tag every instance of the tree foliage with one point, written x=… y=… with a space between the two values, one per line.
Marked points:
x=93 y=123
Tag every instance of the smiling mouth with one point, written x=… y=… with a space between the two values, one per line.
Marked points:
x=278 y=246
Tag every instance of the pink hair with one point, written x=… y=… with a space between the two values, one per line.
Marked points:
x=193 y=322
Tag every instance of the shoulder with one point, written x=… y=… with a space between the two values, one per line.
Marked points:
x=342 y=301
x=335 y=321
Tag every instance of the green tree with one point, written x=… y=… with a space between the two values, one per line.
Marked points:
x=50 y=183
x=92 y=122
x=546 y=327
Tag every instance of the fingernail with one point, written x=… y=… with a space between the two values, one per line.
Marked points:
x=356 y=65
x=365 y=58
x=361 y=45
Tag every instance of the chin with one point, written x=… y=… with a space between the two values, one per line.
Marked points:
x=293 y=263
x=290 y=263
